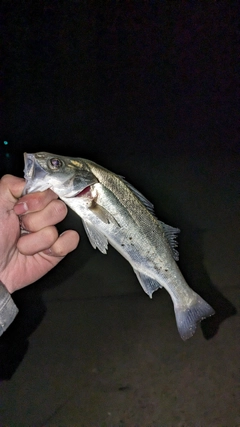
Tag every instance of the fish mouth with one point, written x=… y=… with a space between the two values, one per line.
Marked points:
x=28 y=165
x=40 y=178
x=32 y=168
x=34 y=174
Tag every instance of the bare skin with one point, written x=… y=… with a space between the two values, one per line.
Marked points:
x=24 y=258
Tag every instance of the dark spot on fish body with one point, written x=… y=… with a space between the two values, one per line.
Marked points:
x=122 y=244
x=124 y=388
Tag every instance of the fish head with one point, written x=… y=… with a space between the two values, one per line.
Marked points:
x=65 y=176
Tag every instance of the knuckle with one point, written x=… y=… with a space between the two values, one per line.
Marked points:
x=50 y=235
x=34 y=202
x=59 y=208
x=28 y=222
x=5 y=178
x=39 y=200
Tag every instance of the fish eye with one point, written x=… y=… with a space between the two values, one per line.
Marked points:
x=55 y=163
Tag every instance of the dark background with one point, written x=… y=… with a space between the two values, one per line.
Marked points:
x=127 y=84
x=150 y=90
x=137 y=87
x=109 y=79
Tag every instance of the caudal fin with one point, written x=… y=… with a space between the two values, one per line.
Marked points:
x=187 y=318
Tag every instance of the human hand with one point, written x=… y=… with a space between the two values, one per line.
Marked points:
x=24 y=258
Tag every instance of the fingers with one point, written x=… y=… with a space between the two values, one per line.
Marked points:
x=53 y=213
x=39 y=210
x=30 y=244
x=11 y=188
x=47 y=240
x=66 y=243
x=34 y=202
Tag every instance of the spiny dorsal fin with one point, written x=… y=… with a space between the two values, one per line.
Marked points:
x=139 y=195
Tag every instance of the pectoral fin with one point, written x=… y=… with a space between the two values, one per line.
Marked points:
x=97 y=239
x=148 y=284
x=103 y=214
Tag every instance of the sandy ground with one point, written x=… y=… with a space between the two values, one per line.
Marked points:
x=103 y=354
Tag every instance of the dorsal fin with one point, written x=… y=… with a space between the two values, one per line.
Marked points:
x=169 y=231
x=139 y=195
x=171 y=236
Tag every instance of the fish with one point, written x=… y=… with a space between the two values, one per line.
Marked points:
x=114 y=212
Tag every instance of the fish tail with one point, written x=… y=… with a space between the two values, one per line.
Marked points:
x=188 y=317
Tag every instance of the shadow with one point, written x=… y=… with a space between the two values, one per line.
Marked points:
x=191 y=260
x=14 y=342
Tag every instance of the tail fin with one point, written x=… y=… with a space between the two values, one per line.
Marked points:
x=188 y=317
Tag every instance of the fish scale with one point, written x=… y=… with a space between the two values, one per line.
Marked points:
x=113 y=211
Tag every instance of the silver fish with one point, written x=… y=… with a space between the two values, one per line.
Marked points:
x=114 y=212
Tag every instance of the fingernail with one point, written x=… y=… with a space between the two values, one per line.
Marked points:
x=62 y=233
x=21 y=208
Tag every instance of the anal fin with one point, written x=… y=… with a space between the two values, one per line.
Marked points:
x=148 y=284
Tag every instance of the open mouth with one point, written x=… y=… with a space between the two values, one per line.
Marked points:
x=28 y=165
x=32 y=168
x=39 y=177
x=34 y=175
